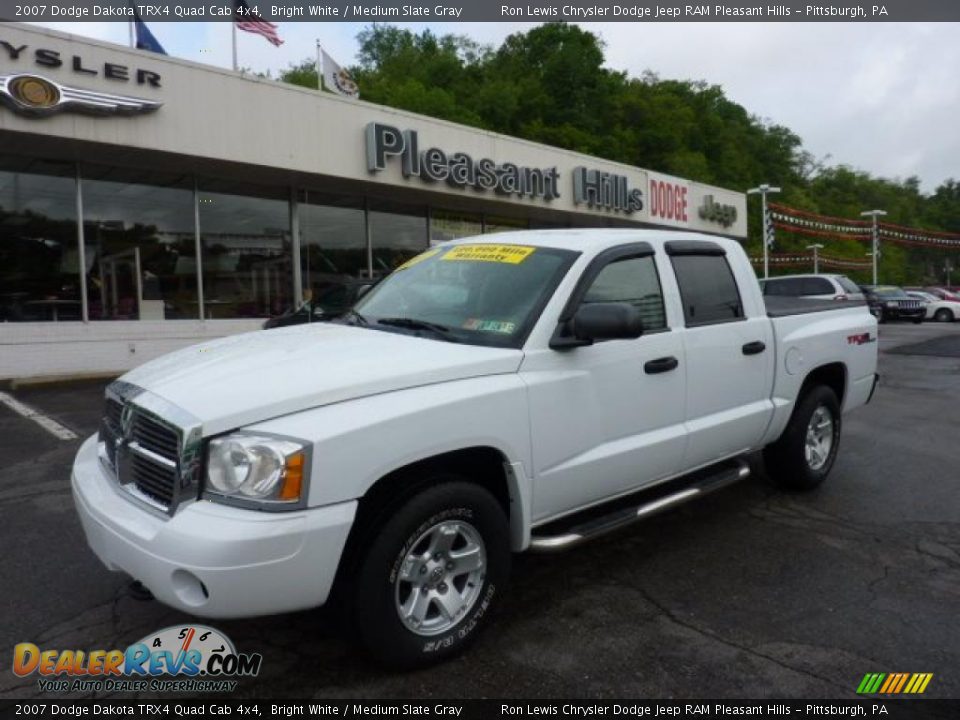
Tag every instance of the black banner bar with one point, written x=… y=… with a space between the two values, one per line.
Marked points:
x=398 y=11
x=175 y=707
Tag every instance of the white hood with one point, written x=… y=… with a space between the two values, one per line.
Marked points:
x=242 y=379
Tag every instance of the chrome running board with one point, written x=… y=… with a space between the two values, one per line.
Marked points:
x=683 y=490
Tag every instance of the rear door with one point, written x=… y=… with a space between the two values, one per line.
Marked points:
x=729 y=355
x=608 y=417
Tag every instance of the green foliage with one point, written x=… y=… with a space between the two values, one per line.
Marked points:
x=550 y=85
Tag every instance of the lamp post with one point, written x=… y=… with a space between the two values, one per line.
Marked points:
x=816 y=258
x=763 y=190
x=876 y=239
x=947 y=268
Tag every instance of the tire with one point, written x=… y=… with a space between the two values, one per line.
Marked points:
x=421 y=541
x=943 y=315
x=917 y=321
x=789 y=464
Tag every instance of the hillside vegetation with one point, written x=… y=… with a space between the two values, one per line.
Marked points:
x=550 y=85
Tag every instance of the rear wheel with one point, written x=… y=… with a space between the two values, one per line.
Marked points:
x=804 y=455
x=430 y=576
x=943 y=315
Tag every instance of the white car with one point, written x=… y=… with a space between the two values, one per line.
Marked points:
x=815 y=287
x=510 y=392
x=937 y=309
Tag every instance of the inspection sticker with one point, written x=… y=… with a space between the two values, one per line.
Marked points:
x=497 y=326
x=419 y=258
x=510 y=254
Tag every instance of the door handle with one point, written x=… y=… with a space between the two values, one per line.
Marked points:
x=660 y=365
x=754 y=348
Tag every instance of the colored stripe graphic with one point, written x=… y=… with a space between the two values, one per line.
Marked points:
x=894 y=683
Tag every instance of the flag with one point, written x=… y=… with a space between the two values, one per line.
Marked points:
x=245 y=19
x=145 y=38
x=338 y=79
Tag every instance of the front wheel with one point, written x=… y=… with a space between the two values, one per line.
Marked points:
x=431 y=575
x=804 y=455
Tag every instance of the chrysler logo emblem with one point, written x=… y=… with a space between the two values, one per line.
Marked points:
x=37 y=96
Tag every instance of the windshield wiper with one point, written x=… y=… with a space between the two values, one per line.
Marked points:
x=414 y=324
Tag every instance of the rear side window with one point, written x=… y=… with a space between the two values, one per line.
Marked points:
x=631 y=280
x=817 y=286
x=707 y=289
x=783 y=286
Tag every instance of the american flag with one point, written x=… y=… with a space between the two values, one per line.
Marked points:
x=249 y=22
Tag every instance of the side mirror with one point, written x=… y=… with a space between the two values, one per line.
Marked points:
x=599 y=321
x=319 y=312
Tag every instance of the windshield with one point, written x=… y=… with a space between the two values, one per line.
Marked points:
x=847 y=284
x=482 y=294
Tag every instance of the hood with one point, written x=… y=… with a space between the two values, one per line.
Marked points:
x=242 y=379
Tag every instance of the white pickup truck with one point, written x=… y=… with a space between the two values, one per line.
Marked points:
x=511 y=392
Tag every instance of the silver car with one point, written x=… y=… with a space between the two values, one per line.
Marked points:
x=816 y=287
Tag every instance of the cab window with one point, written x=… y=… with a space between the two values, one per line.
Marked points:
x=632 y=280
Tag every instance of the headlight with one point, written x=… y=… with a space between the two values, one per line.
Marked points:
x=255 y=469
x=891 y=303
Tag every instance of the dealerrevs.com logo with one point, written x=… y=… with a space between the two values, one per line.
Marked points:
x=192 y=658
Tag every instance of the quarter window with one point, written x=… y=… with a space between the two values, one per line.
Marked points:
x=707 y=289
x=631 y=280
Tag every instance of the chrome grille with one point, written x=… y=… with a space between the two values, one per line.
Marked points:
x=143 y=450
x=155 y=436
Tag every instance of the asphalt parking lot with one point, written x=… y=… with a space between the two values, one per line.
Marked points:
x=751 y=592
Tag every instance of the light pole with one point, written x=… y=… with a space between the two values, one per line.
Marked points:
x=816 y=258
x=876 y=238
x=948 y=268
x=763 y=190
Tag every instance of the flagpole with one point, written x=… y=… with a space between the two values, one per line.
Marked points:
x=319 y=67
x=233 y=25
x=130 y=32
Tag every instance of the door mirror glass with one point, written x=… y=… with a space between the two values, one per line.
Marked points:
x=607 y=321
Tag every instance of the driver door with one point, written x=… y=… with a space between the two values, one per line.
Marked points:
x=608 y=418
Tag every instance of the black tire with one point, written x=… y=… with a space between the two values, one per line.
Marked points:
x=786 y=459
x=943 y=315
x=917 y=321
x=376 y=589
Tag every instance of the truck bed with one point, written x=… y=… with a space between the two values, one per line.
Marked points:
x=782 y=305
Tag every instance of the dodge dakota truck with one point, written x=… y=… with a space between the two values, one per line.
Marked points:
x=514 y=392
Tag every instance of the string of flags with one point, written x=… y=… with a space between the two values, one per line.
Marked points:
x=801 y=222
x=800 y=258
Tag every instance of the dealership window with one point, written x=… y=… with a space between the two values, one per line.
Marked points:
x=446 y=225
x=494 y=223
x=246 y=251
x=141 y=248
x=397 y=233
x=39 y=249
x=333 y=249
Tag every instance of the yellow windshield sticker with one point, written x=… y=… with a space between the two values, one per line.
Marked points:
x=419 y=258
x=510 y=254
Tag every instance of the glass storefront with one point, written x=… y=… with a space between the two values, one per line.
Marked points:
x=140 y=246
x=397 y=233
x=446 y=226
x=140 y=235
x=246 y=254
x=39 y=247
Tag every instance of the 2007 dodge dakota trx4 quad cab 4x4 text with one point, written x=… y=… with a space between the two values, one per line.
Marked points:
x=512 y=392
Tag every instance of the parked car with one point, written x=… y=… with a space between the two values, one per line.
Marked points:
x=817 y=287
x=937 y=309
x=889 y=302
x=943 y=293
x=329 y=303
x=393 y=460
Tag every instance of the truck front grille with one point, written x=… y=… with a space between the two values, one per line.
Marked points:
x=143 y=452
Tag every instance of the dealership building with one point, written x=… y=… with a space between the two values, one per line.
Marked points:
x=147 y=203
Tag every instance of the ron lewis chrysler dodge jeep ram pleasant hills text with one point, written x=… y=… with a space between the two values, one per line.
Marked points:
x=498 y=394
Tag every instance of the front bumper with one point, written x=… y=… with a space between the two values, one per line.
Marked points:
x=209 y=559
